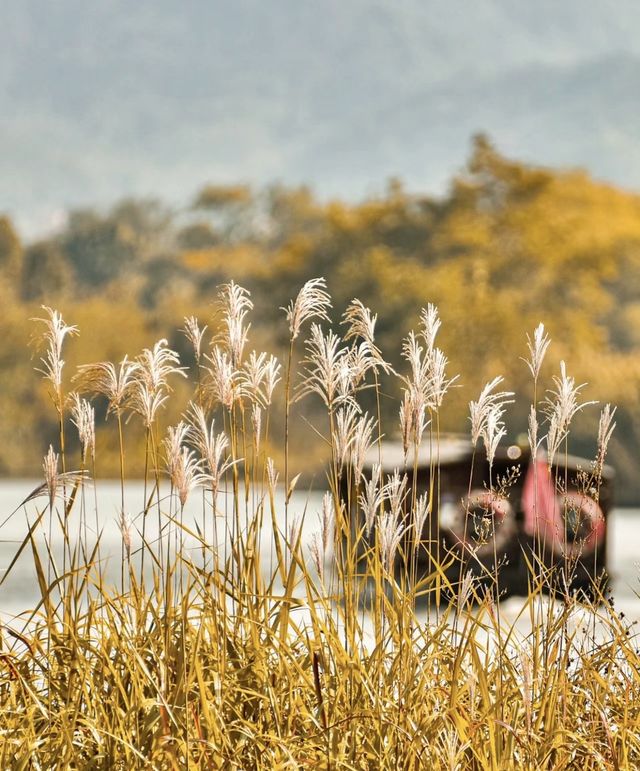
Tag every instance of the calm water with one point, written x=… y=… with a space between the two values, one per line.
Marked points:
x=20 y=591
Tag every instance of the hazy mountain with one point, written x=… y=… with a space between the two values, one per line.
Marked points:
x=100 y=100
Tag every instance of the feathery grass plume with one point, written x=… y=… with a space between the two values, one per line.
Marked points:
x=172 y=443
x=83 y=418
x=156 y=365
x=53 y=336
x=362 y=443
x=317 y=555
x=361 y=324
x=50 y=468
x=312 y=302
x=326 y=368
x=532 y=432
x=427 y=385
x=236 y=304
x=420 y=513
x=390 y=532
x=466 y=589
x=346 y=380
x=272 y=475
x=211 y=446
x=560 y=408
x=222 y=384
x=606 y=427
x=125 y=527
x=412 y=352
x=103 y=378
x=537 y=350
x=479 y=411
x=187 y=474
x=258 y=378
x=406 y=415
x=194 y=335
x=150 y=387
x=357 y=364
x=321 y=541
x=416 y=401
x=430 y=325
x=344 y=432
x=371 y=498
x=395 y=491
x=146 y=403
x=327 y=521
x=440 y=384
x=53 y=480
x=256 y=424
x=494 y=430
x=184 y=469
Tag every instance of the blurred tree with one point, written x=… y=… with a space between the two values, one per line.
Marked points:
x=509 y=245
x=199 y=235
x=45 y=273
x=10 y=251
x=98 y=248
x=146 y=224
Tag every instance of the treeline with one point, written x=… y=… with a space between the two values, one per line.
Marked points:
x=509 y=246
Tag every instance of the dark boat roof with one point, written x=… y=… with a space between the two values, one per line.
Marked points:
x=456 y=449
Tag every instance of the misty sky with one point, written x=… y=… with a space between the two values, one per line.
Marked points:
x=103 y=100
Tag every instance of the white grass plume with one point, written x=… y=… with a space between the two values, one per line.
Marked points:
x=390 y=532
x=83 y=418
x=53 y=336
x=606 y=427
x=561 y=407
x=372 y=497
x=430 y=322
x=259 y=377
x=326 y=369
x=194 y=335
x=312 y=302
x=212 y=446
x=236 y=304
x=537 y=350
x=222 y=383
x=104 y=378
x=479 y=410
x=361 y=323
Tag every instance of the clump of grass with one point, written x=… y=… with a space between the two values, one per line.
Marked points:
x=229 y=643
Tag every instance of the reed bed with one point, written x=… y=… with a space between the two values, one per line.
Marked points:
x=221 y=648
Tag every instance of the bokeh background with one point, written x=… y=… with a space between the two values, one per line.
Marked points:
x=483 y=155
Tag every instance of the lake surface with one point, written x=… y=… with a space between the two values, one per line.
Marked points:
x=20 y=590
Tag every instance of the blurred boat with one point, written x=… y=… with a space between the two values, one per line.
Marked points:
x=535 y=519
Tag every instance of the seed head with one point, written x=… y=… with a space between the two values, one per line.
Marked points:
x=371 y=499
x=236 y=304
x=560 y=407
x=103 y=378
x=537 y=350
x=479 y=411
x=312 y=302
x=83 y=418
x=53 y=336
x=194 y=334
x=211 y=446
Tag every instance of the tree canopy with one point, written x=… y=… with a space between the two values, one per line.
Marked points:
x=510 y=245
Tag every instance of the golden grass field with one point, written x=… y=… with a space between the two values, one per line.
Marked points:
x=244 y=653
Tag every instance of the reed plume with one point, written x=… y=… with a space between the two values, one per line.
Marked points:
x=312 y=302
